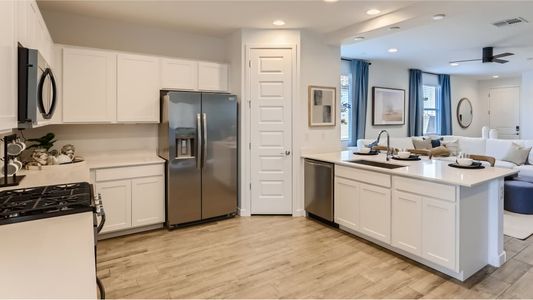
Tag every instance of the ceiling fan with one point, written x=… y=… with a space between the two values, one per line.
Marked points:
x=488 y=57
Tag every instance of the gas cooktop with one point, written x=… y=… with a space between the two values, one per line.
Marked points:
x=34 y=203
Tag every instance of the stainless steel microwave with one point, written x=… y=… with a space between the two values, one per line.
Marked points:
x=37 y=91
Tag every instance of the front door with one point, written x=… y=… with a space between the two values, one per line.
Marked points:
x=504 y=112
x=271 y=84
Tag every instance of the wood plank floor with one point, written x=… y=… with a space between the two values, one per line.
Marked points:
x=286 y=257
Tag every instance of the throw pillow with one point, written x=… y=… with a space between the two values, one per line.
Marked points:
x=517 y=154
x=440 y=151
x=422 y=144
x=435 y=142
x=452 y=146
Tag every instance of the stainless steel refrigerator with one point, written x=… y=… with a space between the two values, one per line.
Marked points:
x=198 y=139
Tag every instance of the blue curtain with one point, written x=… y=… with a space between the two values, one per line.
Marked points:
x=416 y=103
x=359 y=70
x=445 y=104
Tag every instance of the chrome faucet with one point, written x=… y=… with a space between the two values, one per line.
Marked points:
x=389 y=152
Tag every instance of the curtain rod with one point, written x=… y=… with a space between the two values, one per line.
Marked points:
x=349 y=59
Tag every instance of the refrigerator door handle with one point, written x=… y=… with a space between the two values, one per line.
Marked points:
x=204 y=140
x=199 y=142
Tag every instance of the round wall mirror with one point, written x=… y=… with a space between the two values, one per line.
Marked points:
x=464 y=113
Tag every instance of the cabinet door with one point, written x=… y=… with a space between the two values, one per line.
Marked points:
x=179 y=74
x=407 y=222
x=116 y=199
x=212 y=77
x=438 y=232
x=137 y=88
x=8 y=70
x=148 y=201
x=346 y=205
x=375 y=207
x=89 y=86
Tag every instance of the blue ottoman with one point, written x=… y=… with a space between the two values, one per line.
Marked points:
x=518 y=196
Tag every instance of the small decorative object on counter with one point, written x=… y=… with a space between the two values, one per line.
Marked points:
x=39 y=157
x=63 y=159
x=46 y=142
x=68 y=150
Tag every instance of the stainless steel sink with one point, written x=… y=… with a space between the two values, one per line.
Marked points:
x=374 y=163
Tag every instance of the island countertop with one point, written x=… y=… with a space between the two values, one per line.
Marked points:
x=426 y=169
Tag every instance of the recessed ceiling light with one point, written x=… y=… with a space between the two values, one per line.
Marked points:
x=454 y=64
x=392 y=50
x=438 y=17
x=278 y=22
x=394 y=28
x=495 y=76
x=373 y=11
x=331 y=1
x=358 y=38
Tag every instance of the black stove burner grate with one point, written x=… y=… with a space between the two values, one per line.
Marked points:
x=41 y=201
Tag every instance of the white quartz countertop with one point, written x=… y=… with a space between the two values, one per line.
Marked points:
x=50 y=175
x=426 y=169
x=121 y=159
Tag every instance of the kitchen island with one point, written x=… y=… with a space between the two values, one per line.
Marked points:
x=446 y=218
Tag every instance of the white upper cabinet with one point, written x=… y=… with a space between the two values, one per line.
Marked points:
x=89 y=86
x=212 y=76
x=179 y=74
x=8 y=71
x=137 y=88
x=31 y=29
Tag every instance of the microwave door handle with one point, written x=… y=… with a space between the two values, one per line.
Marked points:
x=204 y=140
x=198 y=141
x=47 y=114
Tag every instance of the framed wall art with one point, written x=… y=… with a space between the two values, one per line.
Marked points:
x=322 y=106
x=388 y=106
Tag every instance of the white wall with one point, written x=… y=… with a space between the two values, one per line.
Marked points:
x=483 y=91
x=101 y=138
x=466 y=87
x=106 y=34
x=320 y=65
x=390 y=75
x=526 y=106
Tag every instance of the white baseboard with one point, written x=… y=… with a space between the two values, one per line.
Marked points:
x=299 y=213
x=244 y=213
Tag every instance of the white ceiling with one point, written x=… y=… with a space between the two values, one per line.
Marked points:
x=430 y=45
x=220 y=17
x=422 y=42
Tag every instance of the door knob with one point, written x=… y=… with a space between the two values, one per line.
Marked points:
x=287 y=153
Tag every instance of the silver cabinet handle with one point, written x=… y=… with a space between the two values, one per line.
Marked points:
x=204 y=146
x=198 y=141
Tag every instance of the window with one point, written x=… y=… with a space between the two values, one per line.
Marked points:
x=346 y=101
x=431 y=110
x=430 y=87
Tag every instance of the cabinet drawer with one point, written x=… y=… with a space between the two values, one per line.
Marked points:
x=425 y=188
x=128 y=172
x=363 y=176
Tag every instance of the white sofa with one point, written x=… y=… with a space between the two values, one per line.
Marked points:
x=496 y=148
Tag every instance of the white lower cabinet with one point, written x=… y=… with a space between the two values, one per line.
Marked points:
x=438 y=232
x=375 y=215
x=346 y=208
x=132 y=196
x=116 y=199
x=401 y=214
x=362 y=207
x=146 y=205
x=407 y=222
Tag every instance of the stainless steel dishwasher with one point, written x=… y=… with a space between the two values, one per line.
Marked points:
x=319 y=188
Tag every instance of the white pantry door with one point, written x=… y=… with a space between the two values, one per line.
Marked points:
x=271 y=77
x=504 y=111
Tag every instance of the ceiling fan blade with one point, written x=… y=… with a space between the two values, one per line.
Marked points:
x=502 y=55
x=500 y=61
x=462 y=61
